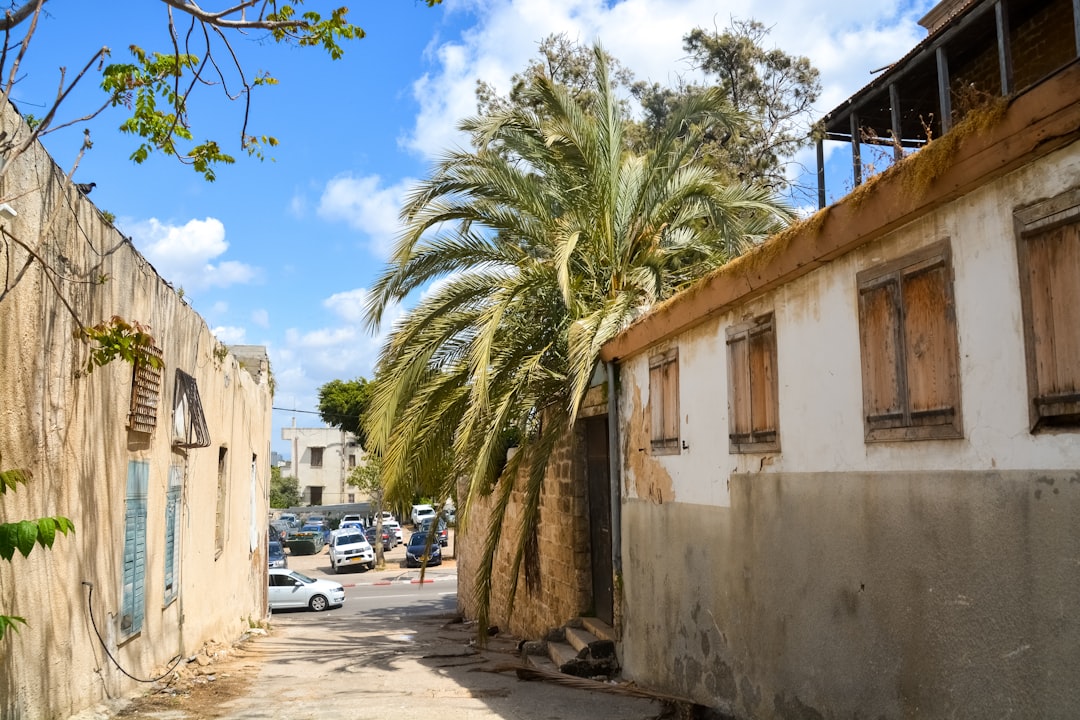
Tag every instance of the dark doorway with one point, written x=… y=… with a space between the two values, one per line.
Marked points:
x=596 y=462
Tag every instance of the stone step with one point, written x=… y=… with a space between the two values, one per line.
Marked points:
x=588 y=645
x=561 y=654
x=599 y=628
x=541 y=662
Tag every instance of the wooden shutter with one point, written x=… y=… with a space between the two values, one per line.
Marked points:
x=763 y=382
x=133 y=601
x=879 y=325
x=753 y=403
x=172 y=520
x=930 y=350
x=664 y=401
x=1053 y=282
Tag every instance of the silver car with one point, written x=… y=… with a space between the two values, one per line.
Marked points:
x=291 y=589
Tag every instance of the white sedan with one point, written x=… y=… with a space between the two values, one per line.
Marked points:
x=292 y=589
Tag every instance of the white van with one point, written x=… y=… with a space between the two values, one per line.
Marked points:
x=421 y=513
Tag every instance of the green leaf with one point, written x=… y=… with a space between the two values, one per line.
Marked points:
x=46 y=532
x=9 y=621
x=8 y=535
x=26 y=536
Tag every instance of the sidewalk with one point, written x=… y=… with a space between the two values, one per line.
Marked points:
x=389 y=663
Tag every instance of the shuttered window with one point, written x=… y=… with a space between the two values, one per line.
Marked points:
x=133 y=597
x=172 y=522
x=222 y=495
x=1049 y=257
x=910 y=358
x=664 y=401
x=753 y=406
x=145 y=394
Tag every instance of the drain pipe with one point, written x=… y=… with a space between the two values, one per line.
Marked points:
x=614 y=466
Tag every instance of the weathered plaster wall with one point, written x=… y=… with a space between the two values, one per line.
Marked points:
x=970 y=545
x=69 y=430
x=884 y=595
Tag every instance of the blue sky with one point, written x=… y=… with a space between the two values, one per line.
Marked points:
x=280 y=253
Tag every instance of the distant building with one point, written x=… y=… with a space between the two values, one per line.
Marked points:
x=322 y=460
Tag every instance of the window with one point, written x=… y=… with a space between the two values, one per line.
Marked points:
x=219 y=515
x=145 y=394
x=316 y=456
x=1048 y=236
x=352 y=460
x=172 y=522
x=907 y=325
x=753 y=405
x=352 y=497
x=189 y=421
x=664 y=401
x=133 y=600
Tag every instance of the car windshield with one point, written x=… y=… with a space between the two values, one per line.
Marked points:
x=311 y=528
x=302 y=577
x=275 y=549
x=350 y=539
x=418 y=539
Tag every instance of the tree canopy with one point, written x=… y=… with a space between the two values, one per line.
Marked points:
x=550 y=237
x=342 y=403
x=284 y=491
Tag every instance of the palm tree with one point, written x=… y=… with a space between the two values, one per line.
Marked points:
x=545 y=241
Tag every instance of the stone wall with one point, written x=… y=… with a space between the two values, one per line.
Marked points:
x=559 y=585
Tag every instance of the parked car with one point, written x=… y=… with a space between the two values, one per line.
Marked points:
x=279 y=531
x=349 y=548
x=414 y=551
x=278 y=558
x=290 y=589
x=319 y=527
x=395 y=530
x=442 y=534
x=352 y=518
x=421 y=513
x=350 y=525
x=289 y=519
x=387 y=538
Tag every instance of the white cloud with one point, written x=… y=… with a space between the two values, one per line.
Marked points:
x=230 y=335
x=349 y=306
x=843 y=40
x=366 y=205
x=183 y=254
x=261 y=318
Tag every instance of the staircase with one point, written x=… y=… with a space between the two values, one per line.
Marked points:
x=584 y=647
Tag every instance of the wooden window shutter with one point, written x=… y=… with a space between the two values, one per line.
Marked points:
x=664 y=402
x=879 y=323
x=930 y=351
x=910 y=352
x=133 y=599
x=1053 y=269
x=739 y=389
x=753 y=402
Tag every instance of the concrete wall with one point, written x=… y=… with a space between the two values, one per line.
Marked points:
x=559 y=586
x=68 y=428
x=839 y=578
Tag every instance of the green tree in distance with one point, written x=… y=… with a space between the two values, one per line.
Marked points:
x=342 y=403
x=367 y=478
x=774 y=91
x=550 y=237
x=284 y=491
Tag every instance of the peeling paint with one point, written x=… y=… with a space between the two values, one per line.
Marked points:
x=650 y=479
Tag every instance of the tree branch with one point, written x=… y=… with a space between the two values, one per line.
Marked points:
x=11 y=19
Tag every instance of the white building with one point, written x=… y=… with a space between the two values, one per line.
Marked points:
x=322 y=459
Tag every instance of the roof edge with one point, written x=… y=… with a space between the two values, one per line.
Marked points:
x=983 y=147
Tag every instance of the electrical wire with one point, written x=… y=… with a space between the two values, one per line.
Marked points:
x=90 y=609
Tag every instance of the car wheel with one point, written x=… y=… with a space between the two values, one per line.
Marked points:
x=335 y=568
x=318 y=603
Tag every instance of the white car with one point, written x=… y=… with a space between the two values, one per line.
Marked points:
x=350 y=548
x=421 y=513
x=291 y=589
x=393 y=527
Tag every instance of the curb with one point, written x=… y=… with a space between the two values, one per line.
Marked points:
x=403 y=581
